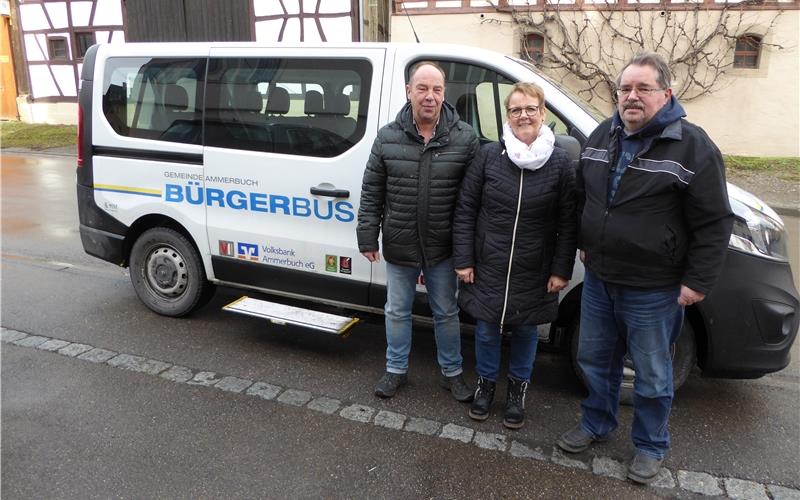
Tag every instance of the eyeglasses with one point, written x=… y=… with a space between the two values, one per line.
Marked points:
x=626 y=91
x=529 y=110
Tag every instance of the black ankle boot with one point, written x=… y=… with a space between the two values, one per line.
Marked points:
x=514 y=415
x=484 y=394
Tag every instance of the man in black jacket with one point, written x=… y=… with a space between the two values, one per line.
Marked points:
x=409 y=192
x=654 y=227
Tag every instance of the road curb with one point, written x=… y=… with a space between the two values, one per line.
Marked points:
x=65 y=151
x=788 y=211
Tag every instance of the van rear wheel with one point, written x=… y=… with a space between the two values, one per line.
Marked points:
x=167 y=273
x=684 y=358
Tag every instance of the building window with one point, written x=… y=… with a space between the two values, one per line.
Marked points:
x=58 y=48
x=83 y=40
x=748 y=50
x=533 y=48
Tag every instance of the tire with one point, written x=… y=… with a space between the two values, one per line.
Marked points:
x=684 y=358
x=167 y=273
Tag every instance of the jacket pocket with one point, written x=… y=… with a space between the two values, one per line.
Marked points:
x=480 y=250
x=675 y=244
x=670 y=243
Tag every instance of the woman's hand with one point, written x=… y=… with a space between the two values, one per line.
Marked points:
x=556 y=283
x=466 y=274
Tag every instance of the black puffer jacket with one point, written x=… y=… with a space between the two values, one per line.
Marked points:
x=409 y=189
x=542 y=244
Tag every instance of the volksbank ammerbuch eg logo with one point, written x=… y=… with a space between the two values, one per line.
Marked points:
x=295 y=206
x=266 y=254
x=247 y=251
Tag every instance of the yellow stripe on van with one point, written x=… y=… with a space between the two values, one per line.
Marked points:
x=128 y=190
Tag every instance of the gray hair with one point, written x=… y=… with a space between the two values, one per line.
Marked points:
x=653 y=60
x=420 y=64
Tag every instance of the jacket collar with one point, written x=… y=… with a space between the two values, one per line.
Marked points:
x=447 y=120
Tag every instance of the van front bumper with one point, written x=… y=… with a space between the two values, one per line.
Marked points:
x=750 y=318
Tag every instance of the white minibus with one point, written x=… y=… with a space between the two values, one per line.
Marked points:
x=240 y=164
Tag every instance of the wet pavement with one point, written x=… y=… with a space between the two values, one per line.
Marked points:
x=78 y=428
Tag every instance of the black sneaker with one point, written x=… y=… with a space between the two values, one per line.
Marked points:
x=482 y=400
x=577 y=440
x=456 y=385
x=644 y=468
x=389 y=383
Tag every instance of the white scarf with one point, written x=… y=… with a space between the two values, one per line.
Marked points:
x=529 y=157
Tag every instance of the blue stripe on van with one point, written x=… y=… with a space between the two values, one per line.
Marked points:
x=156 y=193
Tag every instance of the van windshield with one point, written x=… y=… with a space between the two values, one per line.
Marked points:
x=583 y=104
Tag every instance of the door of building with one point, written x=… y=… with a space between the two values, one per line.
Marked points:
x=8 y=85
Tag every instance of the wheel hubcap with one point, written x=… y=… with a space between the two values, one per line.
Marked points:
x=629 y=371
x=166 y=272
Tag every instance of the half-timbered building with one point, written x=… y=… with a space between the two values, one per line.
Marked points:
x=55 y=34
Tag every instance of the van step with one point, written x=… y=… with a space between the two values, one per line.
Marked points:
x=282 y=314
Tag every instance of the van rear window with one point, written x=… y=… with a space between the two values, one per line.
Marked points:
x=155 y=98
x=296 y=106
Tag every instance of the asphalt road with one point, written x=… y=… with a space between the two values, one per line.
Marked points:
x=76 y=429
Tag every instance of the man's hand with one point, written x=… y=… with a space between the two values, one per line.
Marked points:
x=582 y=255
x=556 y=283
x=372 y=256
x=689 y=296
x=466 y=274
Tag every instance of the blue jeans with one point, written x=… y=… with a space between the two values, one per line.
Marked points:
x=488 y=340
x=401 y=284
x=645 y=323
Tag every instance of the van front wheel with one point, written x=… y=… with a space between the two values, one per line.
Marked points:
x=167 y=273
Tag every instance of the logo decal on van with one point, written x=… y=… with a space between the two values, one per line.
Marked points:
x=247 y=251
x=226 y=248
x=296 y=206
x=345 y=265
x=330 y=263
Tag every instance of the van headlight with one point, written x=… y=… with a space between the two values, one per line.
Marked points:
x=757 y=229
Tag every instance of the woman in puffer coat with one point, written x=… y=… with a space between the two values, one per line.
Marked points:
x=514 y=242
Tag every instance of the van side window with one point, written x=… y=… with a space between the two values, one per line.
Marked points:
x=308 y=107
x=478 y=94
x=474 y=92
x=155 y=98
x=552 y=120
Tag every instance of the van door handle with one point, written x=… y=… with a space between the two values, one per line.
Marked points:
x=329 y=190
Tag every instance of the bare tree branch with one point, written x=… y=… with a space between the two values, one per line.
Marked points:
x=591 y=43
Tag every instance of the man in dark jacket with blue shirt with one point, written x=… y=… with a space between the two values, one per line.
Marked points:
x=409 y=194
x=654 y=227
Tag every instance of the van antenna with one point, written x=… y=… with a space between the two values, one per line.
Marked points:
x=409 y=22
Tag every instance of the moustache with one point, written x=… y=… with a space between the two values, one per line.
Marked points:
x=633 y=105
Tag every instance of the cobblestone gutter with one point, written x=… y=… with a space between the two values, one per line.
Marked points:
x=676 y=481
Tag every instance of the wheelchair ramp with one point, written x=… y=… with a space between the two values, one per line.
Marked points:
x=282 y=314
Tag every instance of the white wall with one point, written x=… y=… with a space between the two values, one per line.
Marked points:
x=53 y=113
x=757 y=112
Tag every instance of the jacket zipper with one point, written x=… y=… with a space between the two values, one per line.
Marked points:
x=511 y=254
x=615 y=161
